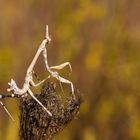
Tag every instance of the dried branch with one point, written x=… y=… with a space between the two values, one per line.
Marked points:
x=36 y=124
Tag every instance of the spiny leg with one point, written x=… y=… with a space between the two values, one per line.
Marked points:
x=32 y=95
x=46 y=61
x=61 y=66
x=63 y=80
x=38 y=84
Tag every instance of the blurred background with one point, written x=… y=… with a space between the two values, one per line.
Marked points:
x=101 y=39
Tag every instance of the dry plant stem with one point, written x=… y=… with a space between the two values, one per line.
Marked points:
x=36 y=124
x=7 y=111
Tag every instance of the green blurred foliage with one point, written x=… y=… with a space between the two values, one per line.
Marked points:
x=100 y=38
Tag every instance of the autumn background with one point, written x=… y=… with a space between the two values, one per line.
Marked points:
x=100 y=38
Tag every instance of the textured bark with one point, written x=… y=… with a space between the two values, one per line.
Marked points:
x=36 y=124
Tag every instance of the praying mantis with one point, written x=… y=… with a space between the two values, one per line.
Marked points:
x=28 y=81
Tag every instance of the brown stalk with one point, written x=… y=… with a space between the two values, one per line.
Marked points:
x=36 y=124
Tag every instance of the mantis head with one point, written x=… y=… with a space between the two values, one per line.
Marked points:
x=12 y=87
